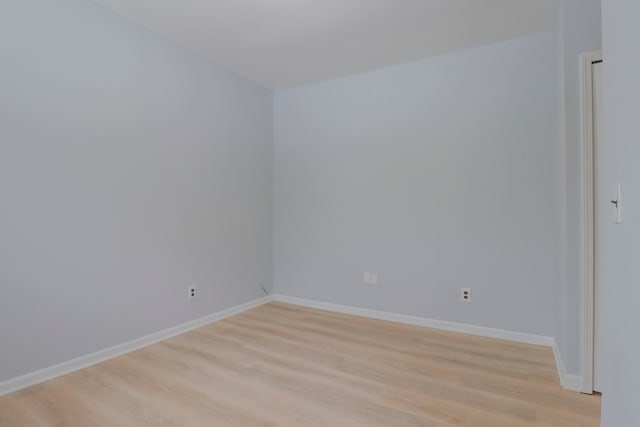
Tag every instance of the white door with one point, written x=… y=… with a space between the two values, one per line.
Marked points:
x=600 y=221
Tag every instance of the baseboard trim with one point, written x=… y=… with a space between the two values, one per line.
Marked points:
x=463 y=328
x=36 y=377
x=567 y=382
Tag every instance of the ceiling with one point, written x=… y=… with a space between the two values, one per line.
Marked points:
x=286 y=43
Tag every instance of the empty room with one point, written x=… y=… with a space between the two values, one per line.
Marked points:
x=319 y=213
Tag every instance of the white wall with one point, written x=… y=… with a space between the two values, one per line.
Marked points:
x=437 y=174
x=129 y=169
x=578 y=31
x=621 y=267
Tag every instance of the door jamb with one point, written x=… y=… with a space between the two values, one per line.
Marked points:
x=588 y=189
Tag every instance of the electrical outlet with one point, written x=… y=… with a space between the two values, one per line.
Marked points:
x=465 y=295
x=370 y=278
x=367 y=278
x=192 y=293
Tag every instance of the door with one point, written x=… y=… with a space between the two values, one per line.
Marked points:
x=600 y=206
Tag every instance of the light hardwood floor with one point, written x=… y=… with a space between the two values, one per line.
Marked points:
x=283 y=365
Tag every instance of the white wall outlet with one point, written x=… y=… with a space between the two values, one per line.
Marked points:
x=192 y=293
x=374 y=278
x=465 y=295
x=370 y=278
x=367 y=278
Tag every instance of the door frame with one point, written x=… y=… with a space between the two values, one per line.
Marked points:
x=588 y=196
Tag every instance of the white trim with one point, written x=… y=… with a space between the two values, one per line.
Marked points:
x=36 y=377
x=422 y=321
x=568 y=382
x=588 y=193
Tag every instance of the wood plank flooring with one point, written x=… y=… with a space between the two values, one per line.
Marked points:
x=283 y=365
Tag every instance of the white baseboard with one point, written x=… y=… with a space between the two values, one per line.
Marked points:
x=422 y=321
x=568 y=382
x=33 y=378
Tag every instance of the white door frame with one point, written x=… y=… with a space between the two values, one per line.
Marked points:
x=588 y=196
